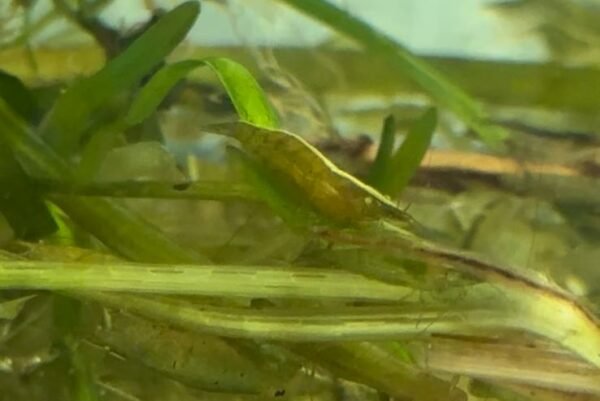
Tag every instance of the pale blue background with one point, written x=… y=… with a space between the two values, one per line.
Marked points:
x=449 y=27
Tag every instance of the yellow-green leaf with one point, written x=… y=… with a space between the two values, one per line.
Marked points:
x=247 y=96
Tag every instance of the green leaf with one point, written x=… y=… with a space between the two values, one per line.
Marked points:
x=247 y=96
x=152 y=94
x=407 y=159
x=82 y=104
x=122 y=230
x=426 y=76
x=202 y=361
x=10 y=309
x=373 y=364
x=381 y=165
x=68 y=322
x=20 y=204
x=96 y=150
x=66 y=314
x=83 y=386
x=19 y=97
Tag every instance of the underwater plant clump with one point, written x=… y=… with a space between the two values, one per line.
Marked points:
x=165 y=235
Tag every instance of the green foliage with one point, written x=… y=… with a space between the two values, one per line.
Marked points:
x=10 y=309
x=81 y=107
x=118 y=227
x=248 y=98
x=403 y=164
x=68 y=314
x=201 y=361
x=20 y=204
x=20 y=98
x=381 y=166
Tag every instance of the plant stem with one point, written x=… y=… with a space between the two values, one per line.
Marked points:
x=305 y=324
x=198 y=190
x=221 y=281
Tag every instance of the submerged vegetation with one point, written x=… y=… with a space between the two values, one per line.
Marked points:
x=277 y=264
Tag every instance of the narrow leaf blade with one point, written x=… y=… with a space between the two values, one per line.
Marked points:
x=76 y=109
x=384 y=153
x=22 y=207
x=247 y=96
x=407 y=159
x=157 y=88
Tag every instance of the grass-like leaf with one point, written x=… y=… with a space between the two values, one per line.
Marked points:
x=363 y=362
x=341 y=323
x=119 y=228
x=532 y=303
x=221 y=281
x=77 y=109
x=407 y=159
x=198 y=190
x=381 y=165
x=205 y=362
x=10 y=309
x=20 y=204
x=248 y=98
x=20 y=98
